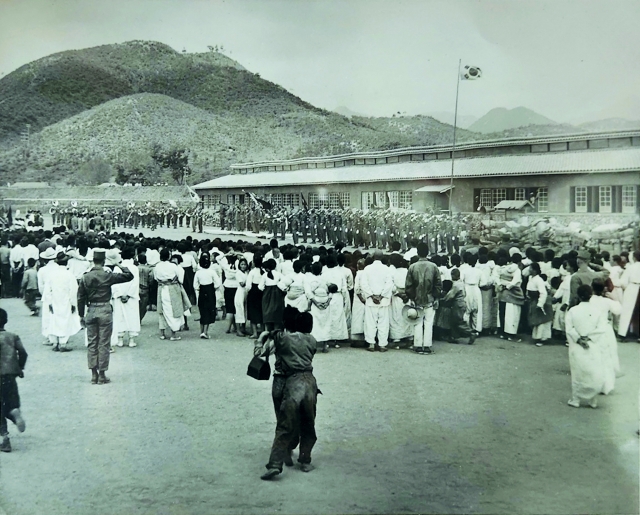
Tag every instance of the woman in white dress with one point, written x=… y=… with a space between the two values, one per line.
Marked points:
x=317 y=291
x=240 y=299
x=590 y=367
x=173 y=304
x=612 y=308
x=338 y=324
x=357 y=311
x=399 y=327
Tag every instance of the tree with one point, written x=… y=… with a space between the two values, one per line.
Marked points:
x=175 y=161
x=95 y=171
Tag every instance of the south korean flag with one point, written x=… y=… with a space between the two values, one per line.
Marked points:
x=470 y=73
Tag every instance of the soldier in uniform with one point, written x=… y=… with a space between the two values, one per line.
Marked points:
x=94 y=294
x=294 y=225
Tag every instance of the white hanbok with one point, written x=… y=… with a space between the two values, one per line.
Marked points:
x=315 y=287
x=61 y=291
x=591 y=369
x=338 y=320
x=170 y=277
x=126 y=315
x=357 y=311
x=630 y=283
x=399 y=327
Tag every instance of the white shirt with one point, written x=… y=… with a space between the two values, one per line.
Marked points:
x=377 y=279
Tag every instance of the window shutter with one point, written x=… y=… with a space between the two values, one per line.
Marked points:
x=511 y=193
x=572 y=199
x=616 y=199
x=590 y=199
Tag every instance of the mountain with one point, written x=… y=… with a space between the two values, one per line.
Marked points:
x=501 y=119
x=464 y=120
x=611 y=124
x=345 y=111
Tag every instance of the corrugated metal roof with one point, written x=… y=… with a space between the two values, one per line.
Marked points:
x=533 y=140
x=513 y=204
x=606 y=160
x=435 y=188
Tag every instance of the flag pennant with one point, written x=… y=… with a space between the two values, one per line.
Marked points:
x=470 y=73
x=304 y=202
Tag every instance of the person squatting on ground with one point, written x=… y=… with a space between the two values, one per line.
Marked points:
x=94 y=293
x=13 y=358
x=294 y=390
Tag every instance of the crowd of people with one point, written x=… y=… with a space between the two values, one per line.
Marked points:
x=149 y=215
x=376 y=228
x=376 y=299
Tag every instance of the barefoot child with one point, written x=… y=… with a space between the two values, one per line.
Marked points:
x=13 y=357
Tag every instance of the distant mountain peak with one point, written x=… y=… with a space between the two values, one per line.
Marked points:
x=500 y=119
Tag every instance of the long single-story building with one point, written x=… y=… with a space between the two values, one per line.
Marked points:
x=584 y=173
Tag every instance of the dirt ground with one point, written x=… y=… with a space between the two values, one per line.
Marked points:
x=182 y=430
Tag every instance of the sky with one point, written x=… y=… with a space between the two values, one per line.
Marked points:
x=569 y=60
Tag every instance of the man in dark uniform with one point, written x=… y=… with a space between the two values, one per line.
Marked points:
x=94 y=293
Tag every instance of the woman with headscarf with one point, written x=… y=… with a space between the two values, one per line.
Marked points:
x=399 y=327
x=173 y=305
x=205 y=282
x=591 y=371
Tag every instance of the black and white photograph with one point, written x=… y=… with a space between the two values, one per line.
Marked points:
x=319 y=257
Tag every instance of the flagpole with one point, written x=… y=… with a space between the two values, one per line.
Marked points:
x=453 y=148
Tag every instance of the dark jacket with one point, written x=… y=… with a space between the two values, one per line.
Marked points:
x=13 y=355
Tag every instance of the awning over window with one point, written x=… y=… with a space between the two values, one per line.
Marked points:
x=435 y=188
x=513 y=204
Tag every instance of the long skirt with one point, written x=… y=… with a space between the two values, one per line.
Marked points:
x=272 y=305
x=399 y=327
x=322 y=323
x=338 y=325
x=510 y=317
x=230 y=300
x=189 y=274
x=254 y=304
x=357 y=316
x=207 y=304
x=488 y=309
x=630 y=301
x=166 y=320
x=589 y=370
x=240 y=301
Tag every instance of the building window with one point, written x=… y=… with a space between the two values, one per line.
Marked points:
x=318 y=200
x=231 y=199
x=542 y=198
x=629 y=199
x=499 y=194
x=394 y=198
x=486 y=198
x=345 y=198
x=520 y=194
x=581 y=199
x=406 y=199
x=367 y=199
x=381 y=199
x=605 y=199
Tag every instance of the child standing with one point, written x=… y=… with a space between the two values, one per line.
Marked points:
x=455 y=299
x=29 y=286
x=13 y=358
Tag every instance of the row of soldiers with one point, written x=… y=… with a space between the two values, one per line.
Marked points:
x=128 y=216
x=375 y=228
